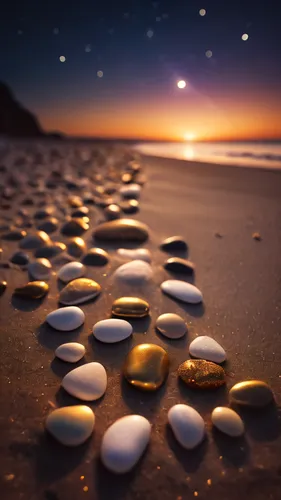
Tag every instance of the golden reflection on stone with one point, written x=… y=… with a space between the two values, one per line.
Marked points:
x=130 y=307
x=201 y=374
x=255 y=393
x=79 y=291
x=33 y=290
x=146 y=367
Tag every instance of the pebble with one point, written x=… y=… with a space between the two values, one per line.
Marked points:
x=112 y=330
x=32 y=290
x=254 y=393
x=124 y=442
x=171 y=325
x=174 y=243
x=178 y=265
x=122 y=230
x=130 y=307
x=146 y=366
x=87 y=382
x=71 y=425
x=201 y=374
x=182 y=291
x=70 y=352
x=126 y=178
x=112 y=211
x=50 y=251
x=205 y=347
x=14 y=235
x=80 y=212
x=66 y=318
x=76 y=247
x=44 y=213
x=3 y=286
x=187 y=425
x=78 y=291
x=129 y=206
x=75 y=201
x=33 y=241
x=96 y=257
x=20 y=258
x=135 y=272
x=227 y=421
x=74 y=227
x=71 y=271
x=135 y=254
x=49 y=225
x=130 y=191
x=40 y=269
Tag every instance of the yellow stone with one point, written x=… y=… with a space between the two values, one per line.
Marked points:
x=79 y=291
x=33 y=290
x=146 y=367
x=130 y=307
x=201 y=374
x=253 y=393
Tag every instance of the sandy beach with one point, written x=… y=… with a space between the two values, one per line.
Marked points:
x=216 y=209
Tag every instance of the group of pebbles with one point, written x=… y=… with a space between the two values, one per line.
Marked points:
x=147 y=365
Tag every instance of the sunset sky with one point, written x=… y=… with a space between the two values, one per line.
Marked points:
x=111 y=69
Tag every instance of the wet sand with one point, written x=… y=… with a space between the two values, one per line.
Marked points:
x=240 y=281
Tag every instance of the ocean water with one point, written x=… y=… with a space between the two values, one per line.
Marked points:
x=243 y=154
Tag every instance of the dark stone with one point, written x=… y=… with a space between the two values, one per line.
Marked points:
x=3 y=286
x=14 y=235
x=20 y=259
x=32 y=290
x=80 y=212
x=174 y=243
x=74 y=227
x=129 y=206
x=43 y=214
x=49 y=226
x=122 y=230
x=112 y=212
x=50 y=251
x=177 y=265
x=96 y=257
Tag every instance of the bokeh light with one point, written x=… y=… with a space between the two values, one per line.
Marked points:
x=208 y=54
x=202 y=12
x=88 y=48
x=189 y=136
x=62 y=58
x=181 y=84
x=245 y=37
x=100 y=74
x=149 y=33
x=56 y=31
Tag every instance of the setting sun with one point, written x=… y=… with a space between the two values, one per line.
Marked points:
x=189 y=136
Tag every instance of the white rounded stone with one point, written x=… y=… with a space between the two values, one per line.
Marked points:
x=135 y=272
x=71 y=271
x=171 y=325
x=87 y=382
x=124 y=443
x=187 y=425
x=40 y=269
x=112 y=330
x=71 y=352
x=227 y=421
x=71 y=425
x=183 y=291
x=135 y=254
x=130 y=191
x=66 y=318
x=205 y=347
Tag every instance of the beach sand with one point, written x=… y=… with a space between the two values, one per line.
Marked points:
x=216 y=209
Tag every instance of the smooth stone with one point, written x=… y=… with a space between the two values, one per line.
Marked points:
x=33 y=241
x=124 y=442
x=40 y=269
x=171 y=325
x=33 y=290
x=79 y=291
x=205 y=347
x=87 y=382
x=50 y=251
x=70 y=352
x=129 y=206
x=44 y=213
x=201 y=374
x=178 y=265
x=146 y=366
x=253 y=393
x=126 y=178
x=75 y=201
x=66 y=318
x=14 y=235
x=122 y=230
x=74 y=227
x=182 y=291
x=3 y=286
x=112 y=212
x=71 y=425
x=76 y=247
x=187 y=425
x=135 y=254
x=135 y=272
x=174 y=243
x=130 y=191
x=227 y=421
x=112 y=330
x=130 y=307
x=71 y=271
x=20 y=258
x=96 y=257
x=49 y=225
x=80 y=212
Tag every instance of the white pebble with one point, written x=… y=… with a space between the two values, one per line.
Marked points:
x=87 y=382
x=66 y=318
x=124 y=443
x=40 y=269
x=112 y=330
x=183 y=291
x=205 y=347
x=228 y=421
x=71 y=425
x=135 y=272
x=71 y=271
x=130 y=191
x=187 y=425
x=135 y=254
x=71 y=352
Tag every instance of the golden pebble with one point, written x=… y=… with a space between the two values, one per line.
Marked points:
x=130 y=307
x=146 y=366
x=201 y=374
